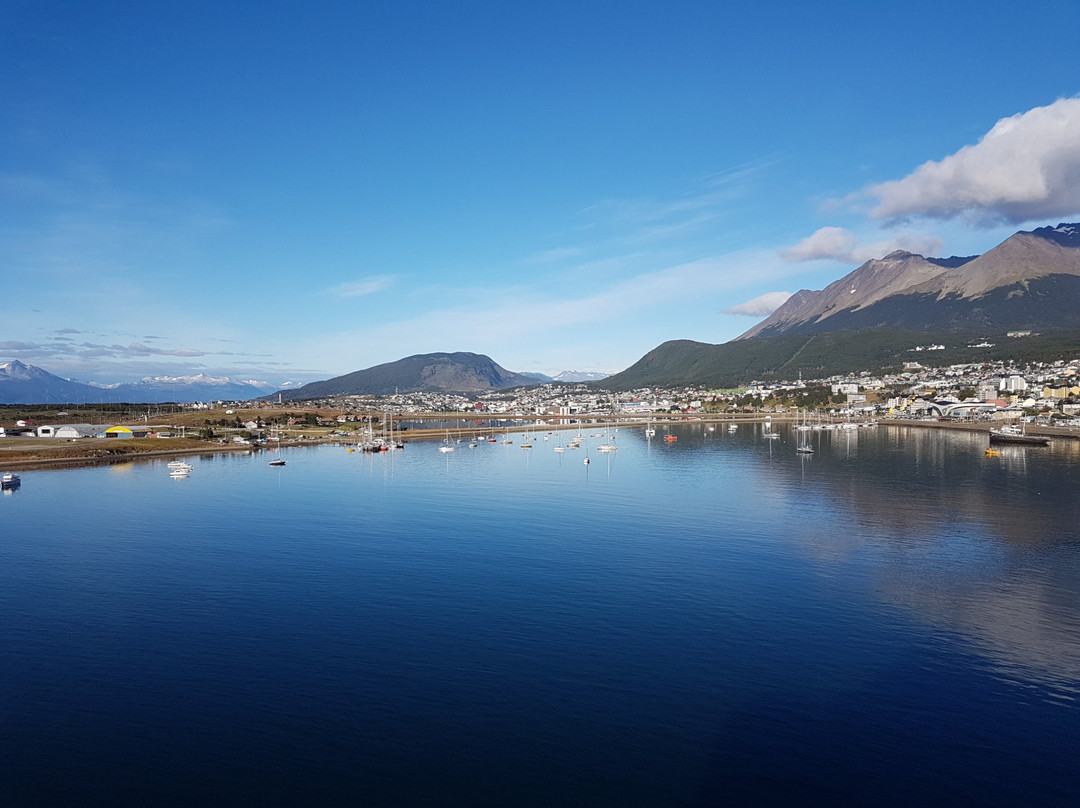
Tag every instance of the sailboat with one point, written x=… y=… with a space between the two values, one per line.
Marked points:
x=277 y=461
x=649 y=430
x=804 y=421
x=447 y=445
x=392 y=442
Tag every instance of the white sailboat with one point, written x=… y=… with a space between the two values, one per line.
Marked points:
x=447 y=445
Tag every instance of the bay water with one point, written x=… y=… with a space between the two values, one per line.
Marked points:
x=891 y=620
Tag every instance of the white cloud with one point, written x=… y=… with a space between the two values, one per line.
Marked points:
x=829 y=242
x=909 y=242
x=760 y=306
x=362 y=287
x=1027 y=167
x=838 y=244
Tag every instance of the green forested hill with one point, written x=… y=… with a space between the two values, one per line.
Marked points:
x=684 y=362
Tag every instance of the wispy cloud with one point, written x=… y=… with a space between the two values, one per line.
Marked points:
x=760 y=306
x=1026 y=167
x=365 y=286
x=517 y=315
x=615 y=232
x=134 y=349
x=16 y=347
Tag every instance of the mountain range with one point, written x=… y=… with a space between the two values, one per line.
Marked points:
x=871 y=317
x=26 y=384
x=446 y=372
x=569 y=376
x=1030 y=281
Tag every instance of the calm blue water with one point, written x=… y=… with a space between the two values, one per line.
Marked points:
x=894 y=620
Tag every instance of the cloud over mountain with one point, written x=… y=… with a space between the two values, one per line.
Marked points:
x=760 y=306
x=838 y=244
x=826 y=242
x=1026 y=167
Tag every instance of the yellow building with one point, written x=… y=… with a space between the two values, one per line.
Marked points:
x=1061 y=392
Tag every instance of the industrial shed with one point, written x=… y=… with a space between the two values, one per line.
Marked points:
x=71 y=431
x=125 y=432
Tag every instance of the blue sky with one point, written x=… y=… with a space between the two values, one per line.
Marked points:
x=293 y=191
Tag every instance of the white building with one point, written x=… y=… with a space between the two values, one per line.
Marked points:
x=72 y=431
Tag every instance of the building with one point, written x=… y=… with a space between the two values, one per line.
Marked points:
x=124 y=432
x=73 y=431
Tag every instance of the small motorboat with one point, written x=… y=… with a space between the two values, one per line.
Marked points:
x=10 y=480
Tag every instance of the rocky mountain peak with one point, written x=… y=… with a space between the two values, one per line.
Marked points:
x=902 y=288
x=1066 y=234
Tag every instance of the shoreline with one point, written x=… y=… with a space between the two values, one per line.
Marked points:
x=78 y=461
x=96 y=456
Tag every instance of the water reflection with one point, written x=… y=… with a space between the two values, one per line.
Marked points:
x=1024 y=619
x=912 y=484
x=983 y=547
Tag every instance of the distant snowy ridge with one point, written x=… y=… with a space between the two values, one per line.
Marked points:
x=582 y=375
x=178 y=381
x=26 y=384
x=569 y=376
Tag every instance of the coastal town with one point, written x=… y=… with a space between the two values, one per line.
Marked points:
x=1049 y=391
x=1045 y=395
